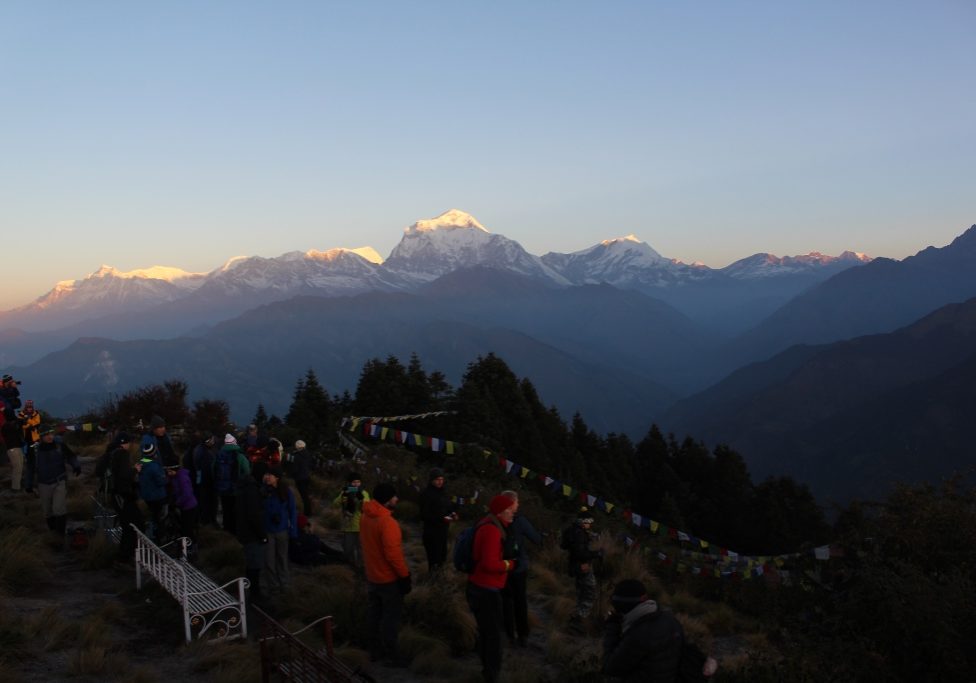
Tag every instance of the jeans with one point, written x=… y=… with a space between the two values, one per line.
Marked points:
x=384 y=604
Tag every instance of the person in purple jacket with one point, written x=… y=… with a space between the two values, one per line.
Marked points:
x=181 y=493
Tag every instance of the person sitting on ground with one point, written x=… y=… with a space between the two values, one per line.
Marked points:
x=642 y=642
x=53 y=459
x=308 y=549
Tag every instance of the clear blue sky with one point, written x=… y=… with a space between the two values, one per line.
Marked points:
x=184 y=133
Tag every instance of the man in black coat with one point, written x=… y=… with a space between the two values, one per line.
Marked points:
x=641 y=642
x=437 y=512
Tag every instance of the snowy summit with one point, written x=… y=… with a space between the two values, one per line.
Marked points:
x=453 y=218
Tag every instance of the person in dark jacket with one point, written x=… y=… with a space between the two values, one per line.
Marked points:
x=515 y=601
x=437 y=512
x=642 y=642
x=281 y=525
x=152 y=489
x=13 y=440
x=204 y=486
x=251 y=533
x=125 y=495
x=581 y=558
x=300 y=468
x=157 y=436
x=52 y=460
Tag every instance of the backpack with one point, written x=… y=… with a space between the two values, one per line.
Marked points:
x=566 y=538
x=464 y=547
x=226 y=474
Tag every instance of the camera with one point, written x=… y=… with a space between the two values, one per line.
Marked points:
x=351 y=489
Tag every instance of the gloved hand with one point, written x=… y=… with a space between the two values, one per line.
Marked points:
x=405 y=584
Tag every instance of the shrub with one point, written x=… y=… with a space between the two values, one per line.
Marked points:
x=441 y=609
x=24 y=559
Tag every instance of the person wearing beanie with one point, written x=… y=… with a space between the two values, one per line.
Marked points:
x=494 y=559
x=158 y=437
x=204 y=455
x=51 y=466
x=30 y=420
x=13 y=440
x=230 y=468
x=515 y=600
x=300 y=468
x=576 y=539
x=437 y=512
x=152 y=489
x=642 y=642
x=387 y=574
x=125 y=495
x=350 y=501
x=281 y=526
x=246 y=517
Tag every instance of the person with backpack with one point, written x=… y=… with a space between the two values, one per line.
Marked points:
x=642 y=642
x=515 y=600
x=437 y=512
x=152 y=489
x=576 y=540
x=203 y=457
x=490 y=571
x=230 y=467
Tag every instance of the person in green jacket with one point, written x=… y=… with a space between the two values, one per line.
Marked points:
x=350 y=500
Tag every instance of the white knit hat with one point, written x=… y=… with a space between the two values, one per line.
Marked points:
x=229 y=439
x=299 y=444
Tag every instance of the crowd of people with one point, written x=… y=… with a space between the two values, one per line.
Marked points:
x=237 y=483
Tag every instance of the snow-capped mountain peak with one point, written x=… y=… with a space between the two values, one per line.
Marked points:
x=165 y=273
x=769 y=265
x=449 y=220
x=367 y=253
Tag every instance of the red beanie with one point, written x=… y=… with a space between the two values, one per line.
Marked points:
x=500 y=503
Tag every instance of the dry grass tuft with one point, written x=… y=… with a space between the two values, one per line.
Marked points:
x=353 y=657
x=101 y=552
x=140 y=675
x=328 y=590
x=579 y=656
x=720 y=619
x=686 y=603
x=225 y=662
x=92 y=660
x=50 y=630
x=414 y=642
x=112 y=612
x=441 y=609
x=221 y=555
x=407 y=511
x=330 y=518
x=24 y=559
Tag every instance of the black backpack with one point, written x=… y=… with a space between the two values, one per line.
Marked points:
x=226 y=474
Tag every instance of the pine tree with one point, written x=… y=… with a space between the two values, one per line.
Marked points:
x=311 y=413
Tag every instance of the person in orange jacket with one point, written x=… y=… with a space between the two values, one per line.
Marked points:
x=387 y=574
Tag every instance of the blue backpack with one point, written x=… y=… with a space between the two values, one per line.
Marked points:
x=226 y=474
x=464 y=549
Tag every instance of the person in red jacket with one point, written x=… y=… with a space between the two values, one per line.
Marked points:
x=486 y=581
x=387 y=574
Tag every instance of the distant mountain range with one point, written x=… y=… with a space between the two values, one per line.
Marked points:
x=617 y=332
x=851 y=417
x=165 y=302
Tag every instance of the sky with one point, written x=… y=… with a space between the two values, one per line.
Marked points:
x=182 y=134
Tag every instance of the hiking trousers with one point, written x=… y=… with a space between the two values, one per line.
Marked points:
x=16 y=456
x=384 y=605
x=54 y=498
x=585 y=593
x=276 y=560
x=486 y=605
x=515 y=605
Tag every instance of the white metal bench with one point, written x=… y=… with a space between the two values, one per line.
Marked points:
x=106 y=521
x=205 y=605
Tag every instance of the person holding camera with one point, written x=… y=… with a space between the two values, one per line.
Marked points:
x=351 y=500
x=576 y=539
